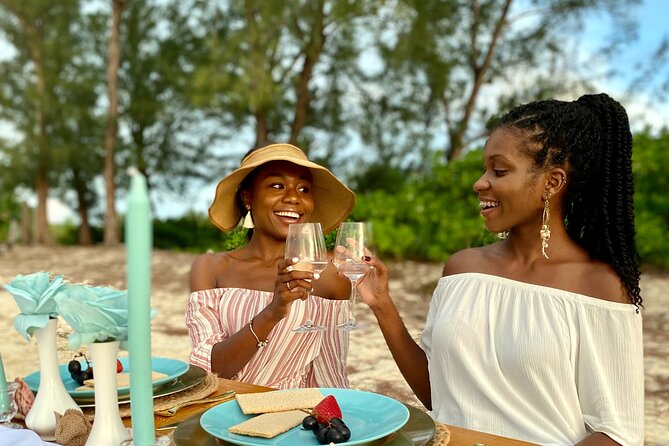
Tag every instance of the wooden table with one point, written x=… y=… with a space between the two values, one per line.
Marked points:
x=459 y=436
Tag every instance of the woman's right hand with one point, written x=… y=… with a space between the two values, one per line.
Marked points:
x=289 y=286
x=373 y=286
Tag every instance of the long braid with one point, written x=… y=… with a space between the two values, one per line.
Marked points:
x=590 y=138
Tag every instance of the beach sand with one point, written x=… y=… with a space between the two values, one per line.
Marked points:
x=370 y=363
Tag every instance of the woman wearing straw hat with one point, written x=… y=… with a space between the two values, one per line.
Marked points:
x=245 y=303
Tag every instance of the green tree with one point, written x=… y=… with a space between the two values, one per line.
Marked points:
x=44 y=35
x=651 y=201
x=111 y=233
x=278 y=68
x=163 y=134
x=438 y=55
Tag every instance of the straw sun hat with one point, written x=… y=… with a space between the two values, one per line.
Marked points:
x=333 y=201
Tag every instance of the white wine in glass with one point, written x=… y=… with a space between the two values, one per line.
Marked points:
x=353 y=241
x=305 y=241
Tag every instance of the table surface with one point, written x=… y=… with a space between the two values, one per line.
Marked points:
x=459 y=436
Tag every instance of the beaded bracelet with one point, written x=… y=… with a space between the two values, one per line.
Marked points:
x=260 y=344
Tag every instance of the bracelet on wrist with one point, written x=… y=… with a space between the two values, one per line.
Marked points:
x=260 y=343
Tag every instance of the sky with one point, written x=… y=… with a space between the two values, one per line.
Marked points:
x=643 y=109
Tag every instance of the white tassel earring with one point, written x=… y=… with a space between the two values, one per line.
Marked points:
x=545 y=232
x=248 y=220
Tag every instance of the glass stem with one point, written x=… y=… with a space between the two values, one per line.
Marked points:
x=309 y=322
x=351 y=305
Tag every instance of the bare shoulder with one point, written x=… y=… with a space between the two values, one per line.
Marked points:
x=471 y=260
x=204 y=269
x=598 y=279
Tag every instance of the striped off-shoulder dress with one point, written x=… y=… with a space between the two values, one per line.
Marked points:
x=290 y=359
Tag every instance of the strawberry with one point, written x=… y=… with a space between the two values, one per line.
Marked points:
x=119 y=366
x=327 y=409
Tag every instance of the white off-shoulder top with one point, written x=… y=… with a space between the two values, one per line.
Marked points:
x=534 y=363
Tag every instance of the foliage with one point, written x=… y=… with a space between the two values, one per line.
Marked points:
x=430 y=216
x=162 y=133
x=436 y=59
x=650 y=157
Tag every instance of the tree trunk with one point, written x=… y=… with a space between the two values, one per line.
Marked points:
x=111 y=232
x=41 y=222
x=312 y=52
x=85 y=236
x=479 y=70
x=262 y=132
x=25 y=224
x=42 y=234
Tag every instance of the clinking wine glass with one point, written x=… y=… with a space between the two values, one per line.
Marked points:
x=306 y=242
x=353 y=241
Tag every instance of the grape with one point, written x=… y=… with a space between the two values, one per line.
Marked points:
x=322 y=435
x=78 y=377
x=344 y=431
x=74 y=366
x=309 y=423
x=335 y=436
x=337 y=422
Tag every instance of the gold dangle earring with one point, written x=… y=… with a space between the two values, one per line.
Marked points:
x=248 y=219
x=545 y=232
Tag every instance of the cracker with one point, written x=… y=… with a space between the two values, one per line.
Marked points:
x=269 y=425
x=279 y=400
x=122 y=380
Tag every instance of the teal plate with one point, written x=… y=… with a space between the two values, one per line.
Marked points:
x=369 y=416
x=419 y=430
x=173 y=368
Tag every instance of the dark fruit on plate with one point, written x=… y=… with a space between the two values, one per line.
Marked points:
x=119 y=366
x=74 y=367
x=335 y=436
x=333 y=431
x=345 y=432
x=322 y=435
x=310 y=423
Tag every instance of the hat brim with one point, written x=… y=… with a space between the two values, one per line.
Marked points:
x=333 y=201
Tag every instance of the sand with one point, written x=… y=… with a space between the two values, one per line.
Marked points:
x=371 y=366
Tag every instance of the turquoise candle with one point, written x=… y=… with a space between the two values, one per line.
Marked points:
x=4 y=396
x=138 y=239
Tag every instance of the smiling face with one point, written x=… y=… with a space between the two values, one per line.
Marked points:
x=510 y=190
x=280 y=194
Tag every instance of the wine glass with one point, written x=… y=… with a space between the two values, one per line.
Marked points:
x=305 y=241
x=8 y=407
x=353 y=240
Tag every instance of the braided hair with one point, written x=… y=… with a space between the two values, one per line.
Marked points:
x=590 y=138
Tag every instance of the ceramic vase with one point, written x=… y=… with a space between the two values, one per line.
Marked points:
x=52 y=397
x=108 y=428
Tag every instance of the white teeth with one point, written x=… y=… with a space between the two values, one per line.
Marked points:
x=287 y=214
x=488 y=204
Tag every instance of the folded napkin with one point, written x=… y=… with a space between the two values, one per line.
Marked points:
x=20 y=437
x=72 y=428
x=34 y=294
x=96 y=314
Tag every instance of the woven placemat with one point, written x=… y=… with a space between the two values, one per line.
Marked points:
x=441 y=437
x=203 y=389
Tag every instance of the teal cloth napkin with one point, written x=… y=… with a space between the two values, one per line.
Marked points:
x=34 y=294
x=96 y=314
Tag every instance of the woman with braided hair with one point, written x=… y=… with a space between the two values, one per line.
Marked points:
x=538 y=336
